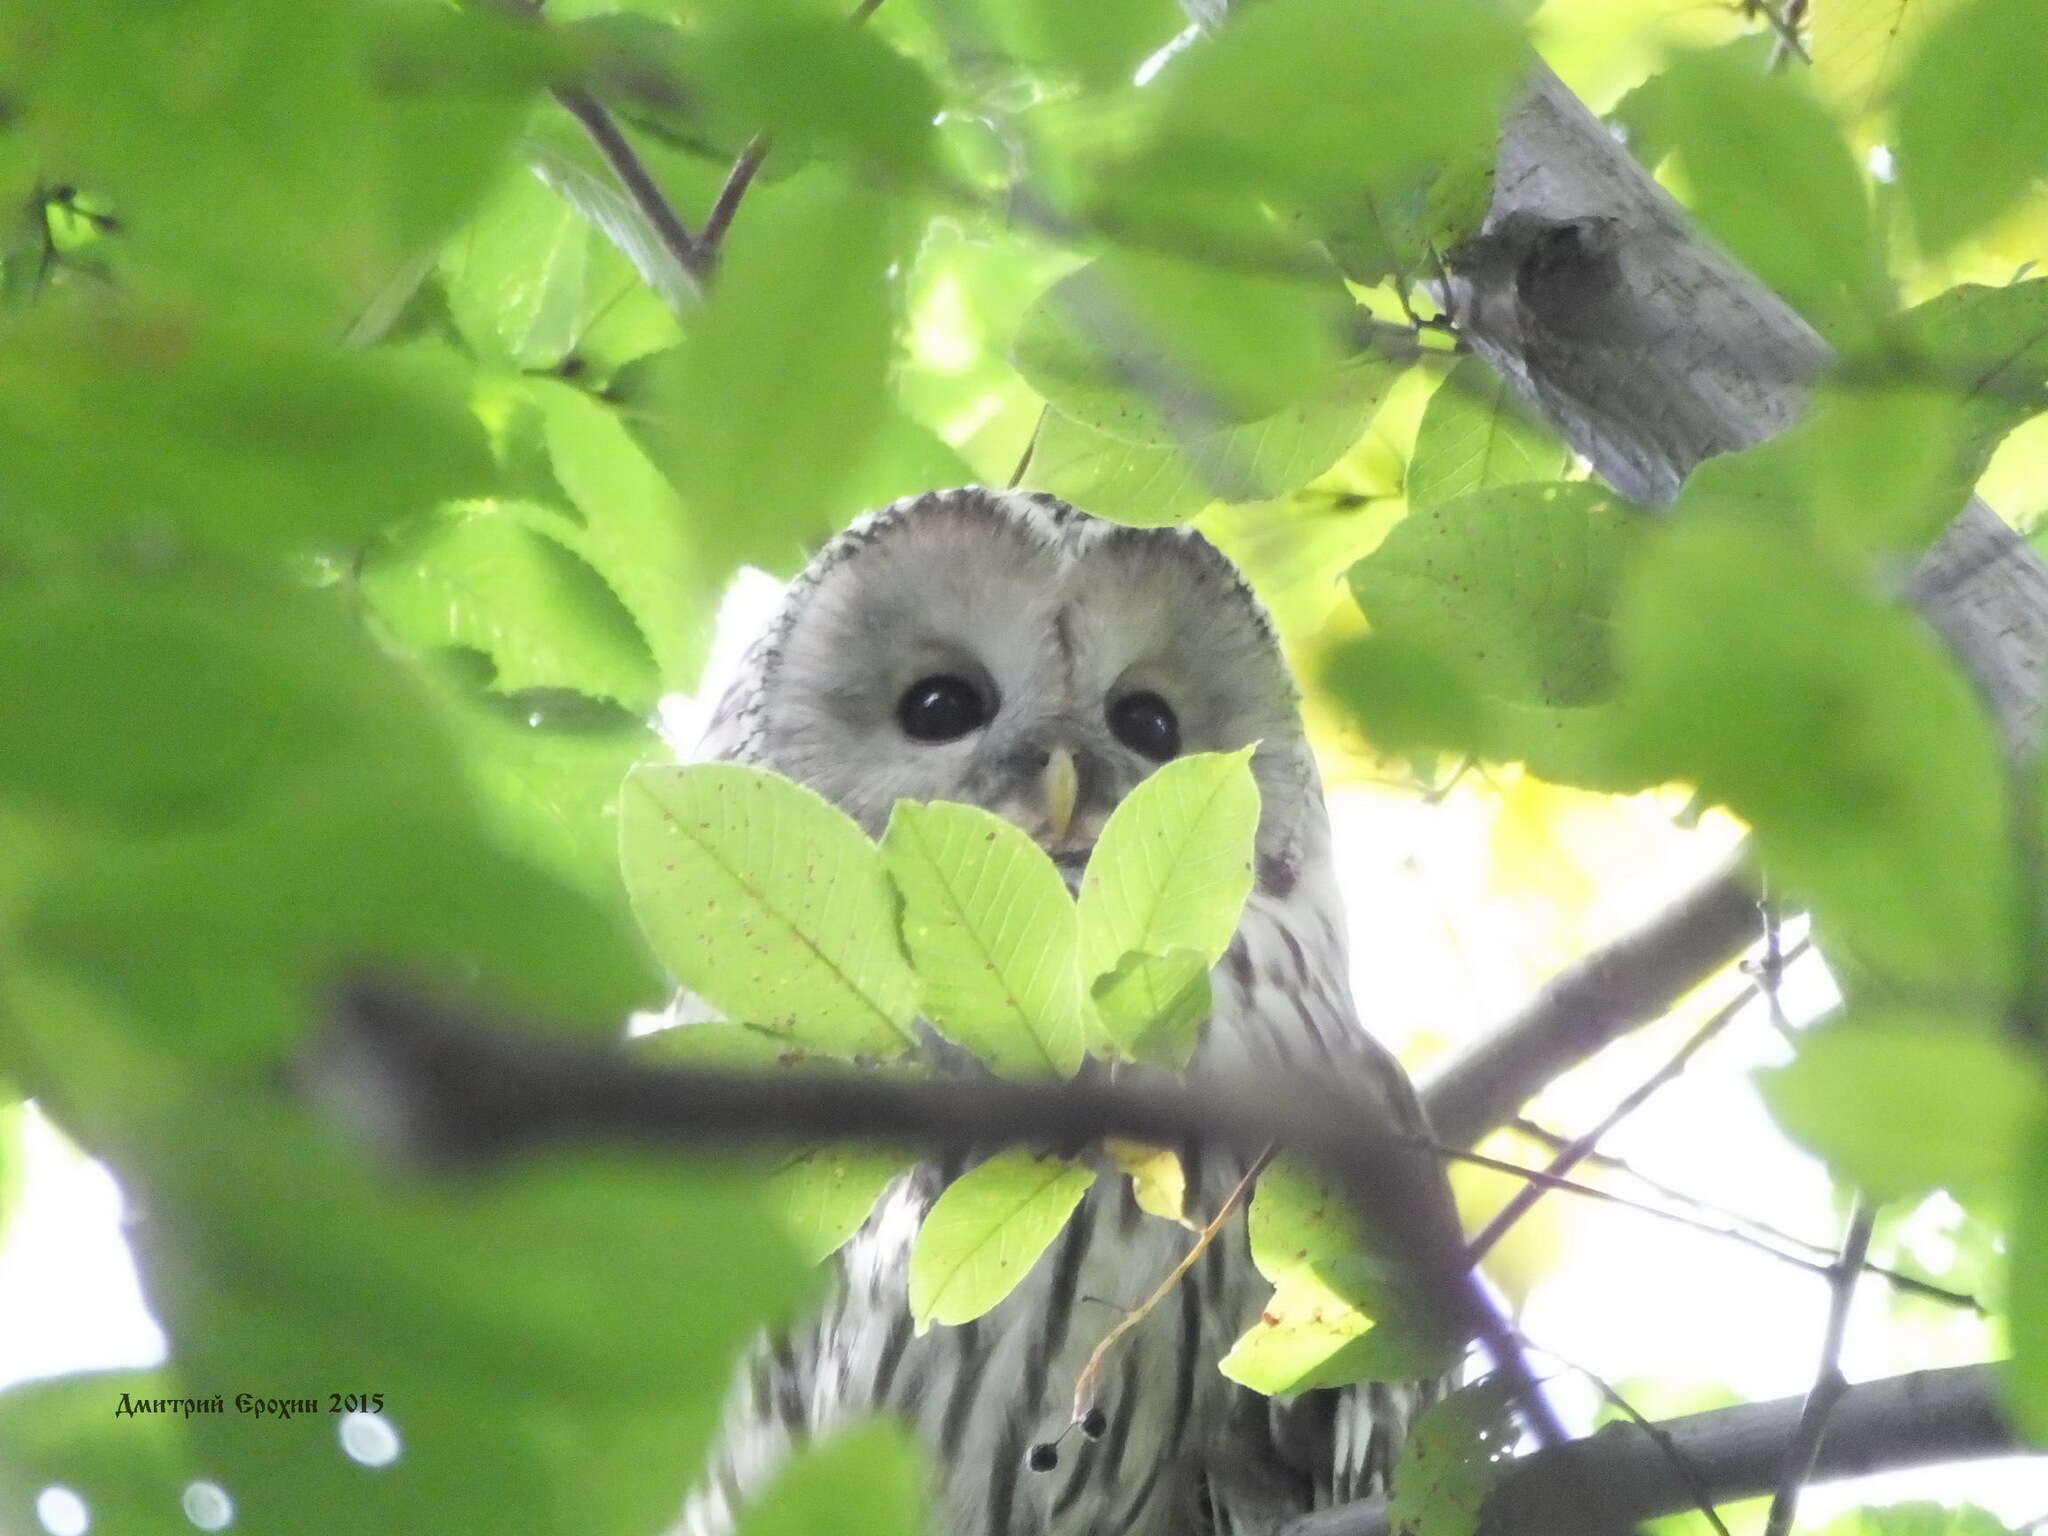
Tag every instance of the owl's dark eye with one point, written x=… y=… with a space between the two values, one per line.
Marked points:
x=941 y=708
x=1145 y=723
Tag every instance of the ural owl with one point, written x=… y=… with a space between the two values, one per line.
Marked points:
x=1007 y=650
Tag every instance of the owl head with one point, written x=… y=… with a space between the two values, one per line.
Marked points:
x=1007 y=650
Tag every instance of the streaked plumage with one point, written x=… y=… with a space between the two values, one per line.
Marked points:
x=1056 y=619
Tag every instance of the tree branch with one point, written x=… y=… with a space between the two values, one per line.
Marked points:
x=1810 y=1433
x=1733 y=1453
x=436 y=1082
x=638 y=182
x=1632 y=982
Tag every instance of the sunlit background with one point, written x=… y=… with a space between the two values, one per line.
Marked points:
x=1466 y=892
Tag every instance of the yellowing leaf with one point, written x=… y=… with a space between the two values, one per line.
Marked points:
x=992 y=932
x=1158 y=1181
x=982 y=1235
x=768 y=903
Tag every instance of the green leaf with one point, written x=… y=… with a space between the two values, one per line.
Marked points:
x=1337 y=1314
x=1514 y=586
x=824 y=1194
x=1475 y=435
x=288 y=162
x=1861 y=48
x=63 y=1431
x=981 y=1237
x=1972 y=121
x=1153 y=1007
x=1836 y=725
x=1454 y=1456
x=783 y=384
x=992 y=933
x=1754 y=145
x=138 y=423
x=1174 y=863
x=1917 y=1519
x=1158 y=349
x=863 y=1481
x=1156 y=484
x=1902 y=1102
x=768 y=903
x=1321 y=97
x=494 y=578
x=2026 y=1380
x=1992 y=345
x=519 y=275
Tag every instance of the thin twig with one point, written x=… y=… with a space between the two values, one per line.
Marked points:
x=1084 y=1384
x=1571 y=1156
x=1030 y=448
x=1680 y=1463
x=1742 y=1228
x=638 y=182
x=1803 y=1454
x=727 y=203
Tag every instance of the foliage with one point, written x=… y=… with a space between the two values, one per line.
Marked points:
x=374 y=466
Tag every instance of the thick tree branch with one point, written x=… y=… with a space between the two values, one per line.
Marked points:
x=1630 y=983
x=1734 y=1453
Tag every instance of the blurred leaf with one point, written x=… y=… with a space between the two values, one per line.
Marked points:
x=992 y=932
x=863 y=1481
x=1992 y=345
x=1158 y=349
x=1900 y=1102
x=1919 y=1519
x=493 y=579
x=1972 y=122
x=288 y=160
x=1643 y=116
x=1475 y=436
x=1096 y=45
x=1456 y=1453
x=1837 y=726
x=2026 y=1379
x=519 y=275
x=1316 y=98
x=1153 y=1007
x=1152 y=485
x=177 y=705
x=768 y=903
x=1755 y=145
x=1173 y=865
x=123 y=422
x=62 y=1431
x=1862 y=48
x=782 y=386
x=1158 y=1182
x=824 y=1194
x=1514 y=586
x=981 y=1237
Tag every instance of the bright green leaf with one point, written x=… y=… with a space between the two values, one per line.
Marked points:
x=1174 y=863
x=1900 y=1102
x=992 y=933
x=1153 y=1007
x=824 y=1194
x=768 y=903
x=982 y=1235
x=1475 y=435
x=1991 y=345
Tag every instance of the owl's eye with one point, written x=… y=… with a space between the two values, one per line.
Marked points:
x=1145 y=723
x=941 y=708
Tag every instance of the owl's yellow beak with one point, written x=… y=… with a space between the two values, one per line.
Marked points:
x=1062 y=785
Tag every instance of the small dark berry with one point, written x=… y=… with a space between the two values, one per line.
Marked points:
x=1093 y=1423
x=1044 y=1457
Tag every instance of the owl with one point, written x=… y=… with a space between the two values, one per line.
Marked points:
x=1009 y=651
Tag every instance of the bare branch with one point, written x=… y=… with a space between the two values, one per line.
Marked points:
x=442 y=1084
x=727 y=203
x=1828 y=1384
x=1632 y=982
x=1571 y=1156
x=1734 y=1453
